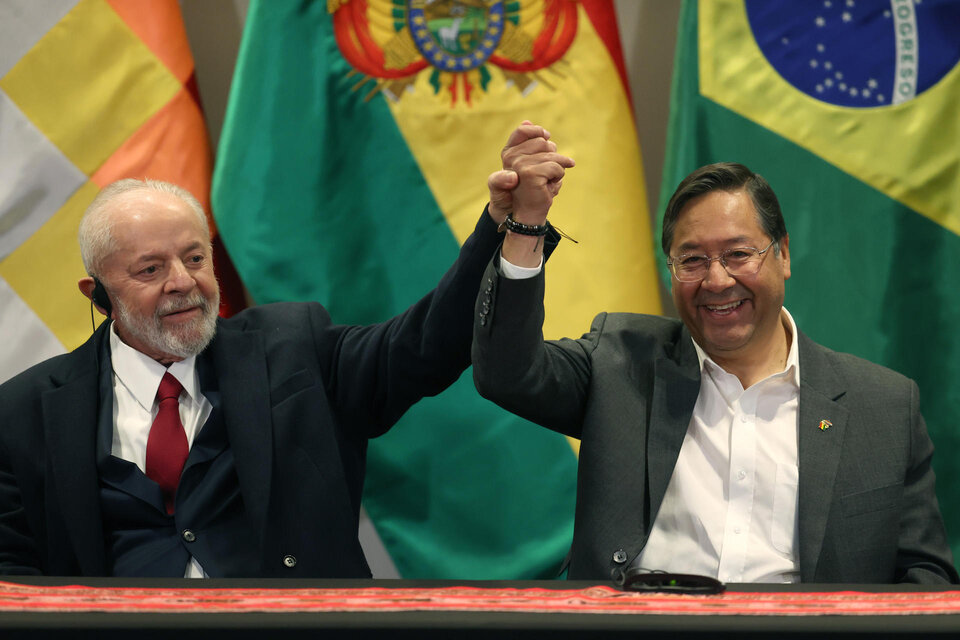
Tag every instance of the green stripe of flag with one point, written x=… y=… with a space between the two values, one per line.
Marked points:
x=315 y=191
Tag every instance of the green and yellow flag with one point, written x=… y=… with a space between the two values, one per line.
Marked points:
x=849 y=109
x=353 y=163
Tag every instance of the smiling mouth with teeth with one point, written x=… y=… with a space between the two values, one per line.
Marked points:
x=724 y=307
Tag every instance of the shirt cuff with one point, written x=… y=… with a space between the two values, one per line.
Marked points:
x=511 y=271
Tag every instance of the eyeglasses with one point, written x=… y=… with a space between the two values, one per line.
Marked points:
x=739 y=261
x=639 y=579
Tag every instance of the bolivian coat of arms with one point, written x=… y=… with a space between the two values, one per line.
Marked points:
x=457 y=42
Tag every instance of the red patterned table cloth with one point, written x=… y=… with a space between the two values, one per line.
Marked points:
x=596 y=599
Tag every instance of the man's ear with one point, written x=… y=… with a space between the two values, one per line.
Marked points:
x=785 y=255
x=86 y=285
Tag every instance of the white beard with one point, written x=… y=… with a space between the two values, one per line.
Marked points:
x=186 y=340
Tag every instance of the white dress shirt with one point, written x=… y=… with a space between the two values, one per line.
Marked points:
x=512 y=272
x=136 y=379
x=730 y=510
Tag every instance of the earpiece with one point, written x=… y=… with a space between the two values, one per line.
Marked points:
x=100 y=297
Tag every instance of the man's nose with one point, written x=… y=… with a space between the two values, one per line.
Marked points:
x=180 y=280
x=717 y=278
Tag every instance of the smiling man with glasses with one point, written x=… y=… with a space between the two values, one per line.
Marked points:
x=726 y=444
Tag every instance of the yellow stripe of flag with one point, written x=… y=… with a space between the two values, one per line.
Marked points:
x=89 y=83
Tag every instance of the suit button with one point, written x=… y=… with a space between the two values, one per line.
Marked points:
x=289 y=562
x=483 y=321
x=619 y=556
x=488 y=290
x=188 y=536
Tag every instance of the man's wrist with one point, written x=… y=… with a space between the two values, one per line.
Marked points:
x=497 y=213
x=524 y=229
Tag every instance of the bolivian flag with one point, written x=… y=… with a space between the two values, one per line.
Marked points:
x=353 y=163
x=849 y=108
x=90 y=92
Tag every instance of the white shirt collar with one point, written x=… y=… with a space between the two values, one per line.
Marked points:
x=792 y=367
x=141 y=374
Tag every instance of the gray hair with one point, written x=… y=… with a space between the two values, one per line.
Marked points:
x=726 y=176
x=96 y=228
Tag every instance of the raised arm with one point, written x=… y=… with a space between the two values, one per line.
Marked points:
x=377 y=372
x=542 y=381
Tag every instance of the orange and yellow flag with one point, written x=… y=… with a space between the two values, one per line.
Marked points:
x=91 y=91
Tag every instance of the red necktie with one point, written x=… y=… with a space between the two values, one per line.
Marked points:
x=167 y=447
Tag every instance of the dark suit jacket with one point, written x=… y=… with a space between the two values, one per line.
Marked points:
x=627 y=390
x=300 y=397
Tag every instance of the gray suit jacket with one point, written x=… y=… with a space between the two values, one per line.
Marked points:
x=867 y=508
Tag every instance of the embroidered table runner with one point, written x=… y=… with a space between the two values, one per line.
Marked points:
x=596 y=599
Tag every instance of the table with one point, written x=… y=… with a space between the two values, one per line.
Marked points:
x=139 y=609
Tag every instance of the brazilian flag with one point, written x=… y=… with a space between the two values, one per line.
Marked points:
x=849 y=108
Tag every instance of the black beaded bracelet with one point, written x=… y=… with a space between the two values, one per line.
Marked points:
x=524 y=229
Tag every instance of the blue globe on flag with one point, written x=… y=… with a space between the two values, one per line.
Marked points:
x=858 y=53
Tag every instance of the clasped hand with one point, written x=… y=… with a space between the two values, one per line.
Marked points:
x=531 y=177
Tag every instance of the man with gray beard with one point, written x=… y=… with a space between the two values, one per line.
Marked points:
x=176 y=443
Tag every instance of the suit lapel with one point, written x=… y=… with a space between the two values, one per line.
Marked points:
x=70 y=414
x=818 y=449
x=675 y=389
x=238 y=360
